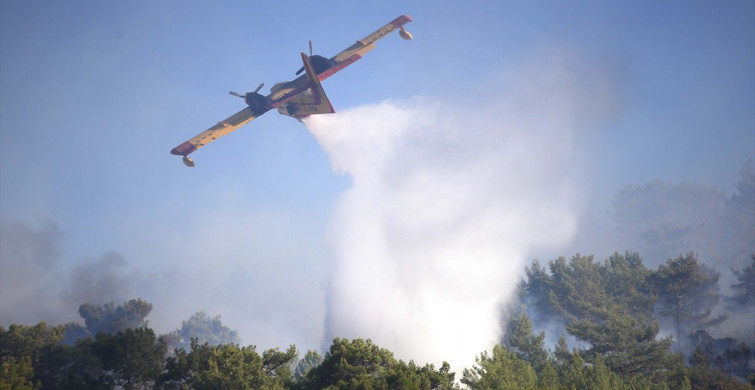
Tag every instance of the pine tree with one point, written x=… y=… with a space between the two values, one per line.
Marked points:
x=501 y=370
x=688 y=291
x=527 y=346
x=744 y=290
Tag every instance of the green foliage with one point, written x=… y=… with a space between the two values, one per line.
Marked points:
x=702 y=376
x=311 y=360
x=205 y=329
x=726 y=354
x=524 y=343
x=227 y=366
x=74 y=332
x=277 y=364
x=20 y=341
x=360 y=364
x=133 y=357
x=17 y=374
x=112 y=319
x=624 y=344
x=411 y=376
x=502 y=370
x=128 y=358
x=563 y=292
x=222 y=367
x=676 y=373
x=547 y=377
x=619 y=326
x=535 y=291
x=573 y=372
x=578 y=288
x=688 y=292
x=72 y=367
x=607 y=305
x=627 y=282
x=171 y=340
x=744 y=290
x=352 y=364
x=610 y=307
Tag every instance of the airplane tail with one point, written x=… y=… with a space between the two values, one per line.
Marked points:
x=313 y=101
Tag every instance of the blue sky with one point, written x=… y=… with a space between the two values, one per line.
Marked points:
x=93 y=95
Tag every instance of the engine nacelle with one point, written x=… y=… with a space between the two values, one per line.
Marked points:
x=257 y=102
x=320 y=63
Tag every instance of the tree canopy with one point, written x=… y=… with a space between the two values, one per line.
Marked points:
x=607 y=316
x=205 y=329
x=109 y=318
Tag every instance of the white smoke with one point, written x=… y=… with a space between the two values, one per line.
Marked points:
x=446 y=203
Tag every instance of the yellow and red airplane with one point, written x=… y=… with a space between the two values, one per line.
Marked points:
x=299 y=98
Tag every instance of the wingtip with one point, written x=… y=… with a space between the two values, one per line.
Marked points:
x=184 y=149
x=401 y=20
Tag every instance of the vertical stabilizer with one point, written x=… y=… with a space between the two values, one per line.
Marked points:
x=313 y=101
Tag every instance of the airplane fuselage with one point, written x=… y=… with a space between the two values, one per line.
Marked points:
x=298 y=98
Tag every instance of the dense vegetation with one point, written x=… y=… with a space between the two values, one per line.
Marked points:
x=607 y=313
x=577 y=323
x=612 y=313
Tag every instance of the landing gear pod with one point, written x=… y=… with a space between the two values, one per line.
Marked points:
x=188 y=161
x=405 y=34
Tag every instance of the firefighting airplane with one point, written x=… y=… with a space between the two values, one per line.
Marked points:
x=299 y=98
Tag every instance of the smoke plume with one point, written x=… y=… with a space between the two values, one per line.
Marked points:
x=33 y=282
x=446 y=203
x=29 y=264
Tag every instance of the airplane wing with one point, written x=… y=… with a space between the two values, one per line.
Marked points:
x=310 y=102
x=366 y=44
x=301 y=97
x=223 y=127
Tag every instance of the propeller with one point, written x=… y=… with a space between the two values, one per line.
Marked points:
x=310 y=54
x=243 y=96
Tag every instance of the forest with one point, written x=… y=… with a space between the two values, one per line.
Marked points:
x=609 y=314
x=677 y=312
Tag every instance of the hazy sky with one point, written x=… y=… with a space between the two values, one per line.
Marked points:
x=93 y=95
